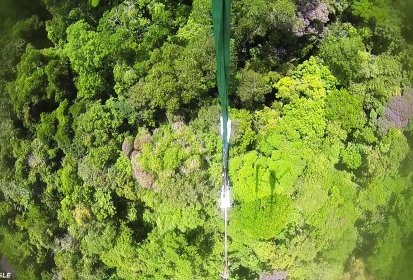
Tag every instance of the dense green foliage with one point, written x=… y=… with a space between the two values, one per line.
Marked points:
x=110 y=154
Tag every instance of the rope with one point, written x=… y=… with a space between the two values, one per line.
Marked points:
x=225 y=273
x=221 y=15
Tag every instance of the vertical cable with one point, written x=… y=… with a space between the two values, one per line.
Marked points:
x=221 y=15
x=226 y=267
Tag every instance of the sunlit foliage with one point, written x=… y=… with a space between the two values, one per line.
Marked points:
x=110 y=154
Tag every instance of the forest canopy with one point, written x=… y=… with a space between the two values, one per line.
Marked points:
x=110 y=153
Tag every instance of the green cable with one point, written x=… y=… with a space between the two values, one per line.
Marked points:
x=221 y=15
